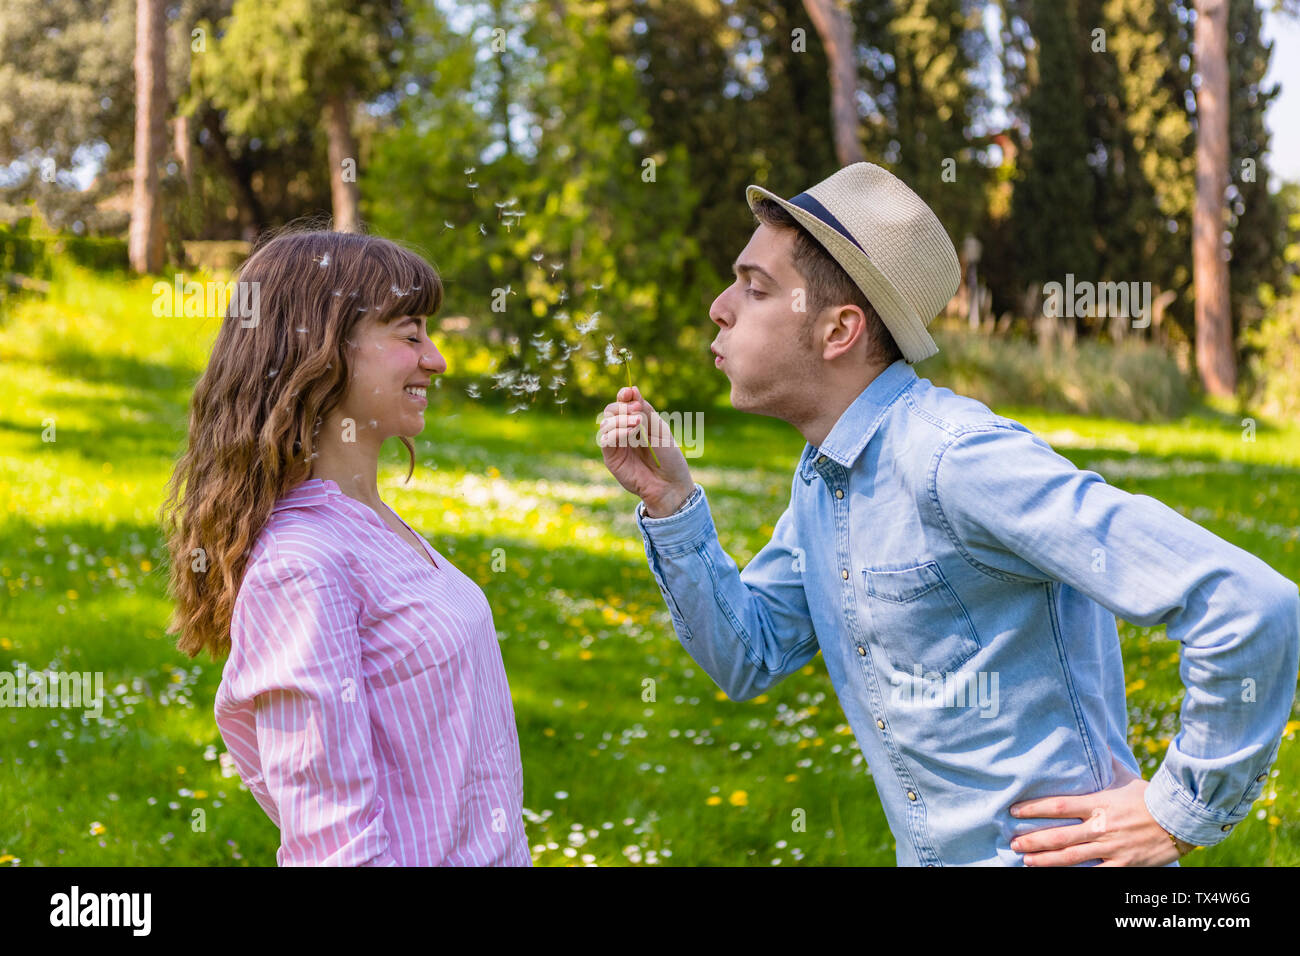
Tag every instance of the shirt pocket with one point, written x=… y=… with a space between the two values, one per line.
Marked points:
x=918 y=619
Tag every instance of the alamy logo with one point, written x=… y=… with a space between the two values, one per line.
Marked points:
x=24 y=688
x=1077 y=300
x=102 y=909
x=933 y=689
x=198 y=300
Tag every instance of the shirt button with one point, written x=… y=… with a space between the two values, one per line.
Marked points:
x=844 y=573
x=821 y=459
x=880 y=724
x=1261 y=778
x=911 y=794
x=862 y=651
x=1226 y=827
x=839 y=493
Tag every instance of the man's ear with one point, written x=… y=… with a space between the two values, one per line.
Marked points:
x=849 y=328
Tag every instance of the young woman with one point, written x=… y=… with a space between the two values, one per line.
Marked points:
x=364 y=700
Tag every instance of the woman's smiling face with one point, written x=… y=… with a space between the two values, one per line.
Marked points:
x=386 y=367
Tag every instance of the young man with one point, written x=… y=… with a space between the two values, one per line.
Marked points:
x=960 y=578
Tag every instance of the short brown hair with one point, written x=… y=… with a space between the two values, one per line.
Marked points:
x=828 y=283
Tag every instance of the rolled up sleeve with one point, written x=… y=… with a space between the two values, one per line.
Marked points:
x=300 y=661
x=1014 y=506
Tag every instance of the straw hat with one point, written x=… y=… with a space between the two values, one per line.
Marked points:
x=888 y=241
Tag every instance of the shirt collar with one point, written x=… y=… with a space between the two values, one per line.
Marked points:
x=860 y=420
x=307 y=494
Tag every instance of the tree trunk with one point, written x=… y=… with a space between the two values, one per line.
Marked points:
x=1216 y=356
x=145 y=246
x=344 y=193
x=835 y=28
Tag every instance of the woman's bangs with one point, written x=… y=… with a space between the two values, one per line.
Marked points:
x=410 y=286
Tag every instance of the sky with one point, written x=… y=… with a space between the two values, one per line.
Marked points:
x=1283 y=117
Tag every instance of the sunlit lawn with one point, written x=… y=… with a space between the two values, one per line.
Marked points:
x=610 y=778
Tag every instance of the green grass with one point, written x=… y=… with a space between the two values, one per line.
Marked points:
x=685 y=779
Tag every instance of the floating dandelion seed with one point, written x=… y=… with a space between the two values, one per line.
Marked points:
x=564 y=297
x=300 y=329
x=584 y=327
x=472 y=185
x=469 y=171
x=539 y=256
x=598 y=287
x=446 y=225
x=557 y=266
x=482 y=229
x=472 y=390
x=324 y=260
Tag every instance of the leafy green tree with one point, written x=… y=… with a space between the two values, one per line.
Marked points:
x=275 y=61
x=66 y=97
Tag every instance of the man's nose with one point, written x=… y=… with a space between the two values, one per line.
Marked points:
x=717 y=311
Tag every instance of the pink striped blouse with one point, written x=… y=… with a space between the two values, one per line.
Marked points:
x=365 y=701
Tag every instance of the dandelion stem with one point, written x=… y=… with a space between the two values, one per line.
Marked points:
x=627 y=365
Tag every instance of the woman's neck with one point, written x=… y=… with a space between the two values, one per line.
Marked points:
x=353 y=466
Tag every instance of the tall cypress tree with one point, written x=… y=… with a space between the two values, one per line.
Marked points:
x=929 y=101
x=1255 y=218
x=1052 y=206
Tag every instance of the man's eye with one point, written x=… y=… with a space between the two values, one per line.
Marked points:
x=413 y=338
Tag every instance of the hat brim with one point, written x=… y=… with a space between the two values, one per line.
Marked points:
x=903 y=322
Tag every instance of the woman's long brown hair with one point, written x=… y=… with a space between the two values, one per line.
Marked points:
x=260 y=402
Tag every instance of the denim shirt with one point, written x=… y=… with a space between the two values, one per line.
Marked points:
x=961 y=580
